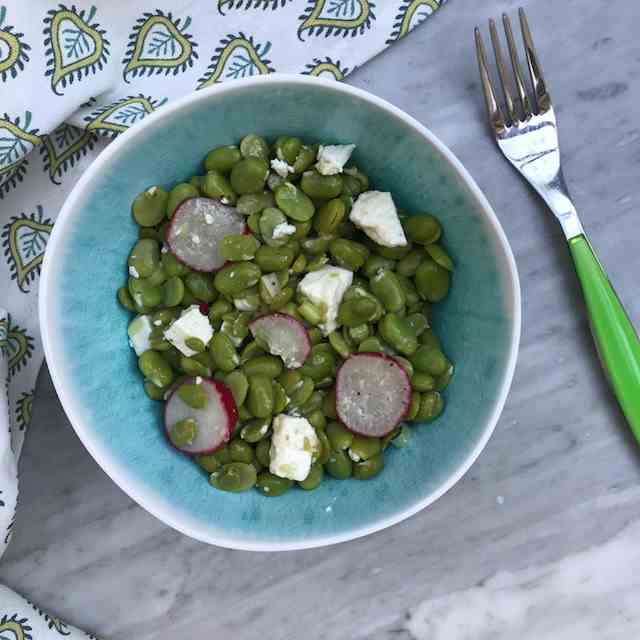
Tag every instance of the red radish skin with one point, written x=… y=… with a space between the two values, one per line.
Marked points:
x=216 y=422
x=373 y=394
x=285 y=336
x=196 y=228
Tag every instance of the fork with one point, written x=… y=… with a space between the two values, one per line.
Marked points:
x=526 y=132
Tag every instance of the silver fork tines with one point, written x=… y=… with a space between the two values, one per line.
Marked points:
x=525 y=127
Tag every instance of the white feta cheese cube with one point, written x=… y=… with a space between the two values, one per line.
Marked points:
x=333 y=157
x=281 y=167
x=133 y=272
x=294 y=445
x=325 y=288
x=190 y=324
x=283 y=230
x=139 y=331
x=375 y=213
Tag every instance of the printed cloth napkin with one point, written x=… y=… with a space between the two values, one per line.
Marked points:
x=73 y=76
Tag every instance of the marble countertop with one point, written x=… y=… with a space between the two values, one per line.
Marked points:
x=539 y=540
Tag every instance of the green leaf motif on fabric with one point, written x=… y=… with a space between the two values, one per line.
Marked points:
x=238 y=56
x=24 y=239
x=159 y=44
x=224 y=5
x=24 y=407
x=13 y=49
x=63 y=148
x=17 y=139
x=118 y=116
x=16 y=345
x=327 y=68
x=410 y=15
x=336 y=18
x=53 y=622
x=75 y=46
x=14 y=628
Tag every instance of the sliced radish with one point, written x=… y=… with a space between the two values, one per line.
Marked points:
x=216 y=422
x=196 y=228
x=373 y=393
x=284 y=337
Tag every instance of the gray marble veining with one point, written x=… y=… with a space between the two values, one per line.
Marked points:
x=551 y=505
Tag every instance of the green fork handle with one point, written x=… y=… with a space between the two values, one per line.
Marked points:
x=615 y=337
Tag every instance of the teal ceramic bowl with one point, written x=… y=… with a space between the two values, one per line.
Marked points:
x=95 y=373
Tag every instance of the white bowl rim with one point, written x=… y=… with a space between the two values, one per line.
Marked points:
x=101 y=454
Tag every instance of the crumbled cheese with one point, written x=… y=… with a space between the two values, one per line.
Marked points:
x=190 y=324
x=198 y=380
x=157 y=323
x=225 y=200
x=283 y=230
x=152 y=191
x=208 y=218
x=242 y=304
x=281 y=167
x=325 y=287
x=139 y=331
x=332 y=158
x=195 y=238
x=133 y=272
x=164 y=249
x=294 y=445
x=375 y=213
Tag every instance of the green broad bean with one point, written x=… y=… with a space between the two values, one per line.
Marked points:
x=339 y=344
x=312 y=314
x=371 y=345
x=244 y=414
x=410 y=292
x=329 y=404
x=201 y=286
x=362 y=448
x=432 y=281
x=317 y=419
x=325 y=447
x=253 y=146
x=315 y=335
x=193 y=367
x=234 y=477
x=193 y=395
x=241 y=451
x=362 y=178
x=260 y=397
x=207 y=462
x=157 y=277
x=440 y=256
x=423 y=229
x=253 y=222
x=409 y=264
x=414 y=406
x=351 y=186
x=223 y=352
x=144 y=294
x=313 y=403
x=315 y=246
x=172 y=292
x=301 y=394
x=172 y=266
x=320 y=364
x=375 y=262
x=262 y=452
x=184 y=432
x=339 y=436
x=313 y=479
x=431 y=405
x=306 y=157
x=144 y=258
x=222 y=159
x=218 y=309
x=405 y=364
x=274 y=258
x=267 y=366
x=443 y=380
x=238 y=385
x=392 y=253
x=329 y=216
x=317 y=262
x=196 y=181
x=430 y=360
x=418 y=323
x=358 y=333
x=249 y=175
x=386 y=440
x=302 y=229
x=386 y=286
x=271 y=485
x=294 y=203
x=235 y=278
x=287 y=149
x=222 y=455
x=280 y=398
x=299 y=264
x=368 y=468
x=125 y=299
x=149 y=207
x=155 y=393
x=274 y=181
x=187 y=298
x=290 y=381
x=430 y=339
x=150 y=233
x=181 y=192
x=217 y=185
x=339 y=465
x=421 y=382
x=255 y=430
x=238 y=247
x=395 y=330
x=271 y=218
x=320 y=187
x=155 y=369
x=281 y=299
x=357 y=311
x=255 y=203
x=172 y=358
x=348 y=254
